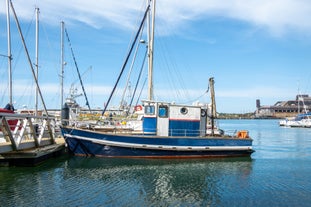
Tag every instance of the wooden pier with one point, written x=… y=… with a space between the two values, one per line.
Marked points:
x=27 y=140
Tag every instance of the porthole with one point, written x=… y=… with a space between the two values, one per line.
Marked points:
x=183 y=110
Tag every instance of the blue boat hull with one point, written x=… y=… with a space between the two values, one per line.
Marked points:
x=90 y=143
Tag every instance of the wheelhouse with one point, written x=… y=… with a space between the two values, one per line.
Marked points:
x=166 y=119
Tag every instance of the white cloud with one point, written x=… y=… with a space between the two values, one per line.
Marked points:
x=277 y=16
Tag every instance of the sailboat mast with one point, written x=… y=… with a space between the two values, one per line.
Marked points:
x=28 y=56
x=37 y=58
x=150 y=50
x=62 y=26
x=9 y=53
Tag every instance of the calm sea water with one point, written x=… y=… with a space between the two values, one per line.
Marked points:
x=277 y=174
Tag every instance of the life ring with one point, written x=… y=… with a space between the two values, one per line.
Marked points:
x=242 y=134
x=138 y=108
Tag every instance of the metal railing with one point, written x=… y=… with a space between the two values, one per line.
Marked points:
x=20 y=131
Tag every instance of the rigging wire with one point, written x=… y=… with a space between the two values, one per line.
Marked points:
x=169 y=64
x=141 y=90
x=50 y=51
x=16 y=58
x=198 y=98
x=126 y=60
x=173 y=76
x=28 y=57
x=73 y=56
x=30 y=83
x=138 y=79
x=131 y=69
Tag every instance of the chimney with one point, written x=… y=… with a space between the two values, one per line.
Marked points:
x=258 y=103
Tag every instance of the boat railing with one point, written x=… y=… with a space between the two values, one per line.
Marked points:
x=176 y=132
x=184 y=132
x=231 y=133
x=21 y=131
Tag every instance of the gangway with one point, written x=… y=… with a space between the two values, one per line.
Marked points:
x=28 y=139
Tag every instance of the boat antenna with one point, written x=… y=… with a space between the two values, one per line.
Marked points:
x=74 y=59
x=126 y=59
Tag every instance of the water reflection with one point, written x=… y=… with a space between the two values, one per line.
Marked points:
x=158 y=182
x=78 y=181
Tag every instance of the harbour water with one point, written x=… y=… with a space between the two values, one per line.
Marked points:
x=277 y=174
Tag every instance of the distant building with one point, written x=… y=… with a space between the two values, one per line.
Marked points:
x=282 y=109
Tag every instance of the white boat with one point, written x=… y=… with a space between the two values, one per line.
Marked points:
x=301 y=120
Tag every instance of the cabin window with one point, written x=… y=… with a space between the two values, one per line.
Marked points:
x=163 y=111
x=149 y=110
x=183 y=110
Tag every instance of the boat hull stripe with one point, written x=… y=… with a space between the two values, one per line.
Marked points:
x=161 y=147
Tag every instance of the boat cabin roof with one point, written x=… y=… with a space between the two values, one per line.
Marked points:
x=152 y=102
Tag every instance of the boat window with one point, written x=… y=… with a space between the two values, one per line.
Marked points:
x=183 y=110
x=163 y=111
x=149 y=110
x=203 y=112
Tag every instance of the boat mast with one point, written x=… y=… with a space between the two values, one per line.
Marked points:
x=9 y=54
x=62 y=64
x=150 y=50
x=37 y=58
x=213 y=107
x=28 y=56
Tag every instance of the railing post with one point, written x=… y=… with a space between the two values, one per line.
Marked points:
x=33 y=132
x=51 y=133
x=7 y=132
x=21 y=134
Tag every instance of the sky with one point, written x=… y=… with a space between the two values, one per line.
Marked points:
x=253 y=49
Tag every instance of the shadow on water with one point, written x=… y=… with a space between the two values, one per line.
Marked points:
x=94 y=162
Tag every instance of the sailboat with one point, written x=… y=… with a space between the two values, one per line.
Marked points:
x=169 y=130
x=301 y=119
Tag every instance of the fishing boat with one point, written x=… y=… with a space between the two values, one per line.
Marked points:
x=169 y=130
